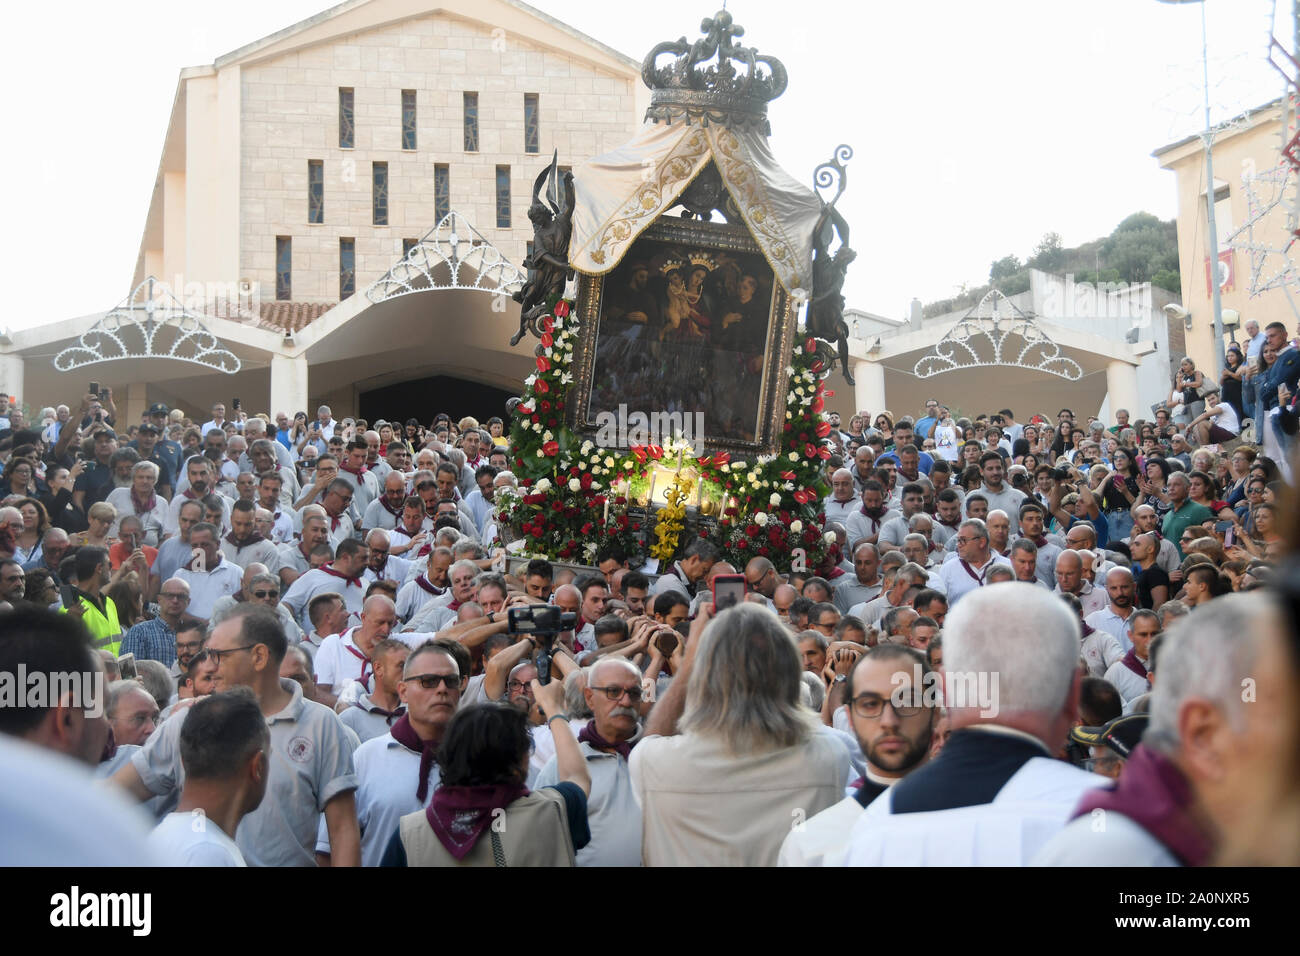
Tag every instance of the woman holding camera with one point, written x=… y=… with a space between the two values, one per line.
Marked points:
x=1188 y=382
x=1119 y=492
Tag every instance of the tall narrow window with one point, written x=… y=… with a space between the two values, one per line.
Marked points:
x=347 y=268
x=408 y=119
x=471 y=122
x=315 y=190
x=408 y=245
x=283 y=268
x=532 y=131
x=503 y=197
x=441 y=191
x=379 y=194
x=347 y=129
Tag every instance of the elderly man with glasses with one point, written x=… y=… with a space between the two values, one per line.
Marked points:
x=614 y=694
x=157 y=640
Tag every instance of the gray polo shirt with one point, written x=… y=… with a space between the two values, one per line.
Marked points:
x=612 y=811
x=850 y=591
x=311 y=764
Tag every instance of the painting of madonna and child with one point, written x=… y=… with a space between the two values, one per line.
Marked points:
x=684 y=329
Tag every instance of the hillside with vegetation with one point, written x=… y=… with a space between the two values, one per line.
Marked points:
x=1142 y=248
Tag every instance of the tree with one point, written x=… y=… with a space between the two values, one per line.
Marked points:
x=1004 y=268
x=1049 y=254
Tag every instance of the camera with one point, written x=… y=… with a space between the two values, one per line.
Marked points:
x=1060 y=474
x=544 y=622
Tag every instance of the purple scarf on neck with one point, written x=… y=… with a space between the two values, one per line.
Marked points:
x=459 y=815
x=1155 y=795
x=1130 y=660
x=405 y=735
x=590 y=735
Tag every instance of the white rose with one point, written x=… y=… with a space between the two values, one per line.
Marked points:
x=789 y=415
x=587 y=446
x=829 y=537
x=609 y=461
x=737 y=466
x=582 y=466
x=537 y=427
x=760 y=519
x=575 y=484
x=547 y=436
x=543 y=485
x=629 y=465
x=540 y=453
x=774 y=499
x=793 y=456
x=796 y=526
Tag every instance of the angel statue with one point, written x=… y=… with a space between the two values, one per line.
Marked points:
x=548 y=266
x=826 y=307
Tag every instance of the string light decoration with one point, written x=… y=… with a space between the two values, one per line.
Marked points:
x=149 y=323
x=453 y=244
x=996 y=333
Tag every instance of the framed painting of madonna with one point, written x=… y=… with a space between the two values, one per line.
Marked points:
x=690 y=323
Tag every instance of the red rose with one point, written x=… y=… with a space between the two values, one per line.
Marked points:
x=550 y=422
x=585 y=481
x=561 y=309
x=753 y=531
x=636 y=525
x=586 y=528
x=536 y=532
x=810 y=537
x=559 y=406
x=557 y=505
x=764 y=551
x=551 y=449
x=543 y=364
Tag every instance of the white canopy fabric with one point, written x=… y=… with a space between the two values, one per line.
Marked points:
x=622 y=192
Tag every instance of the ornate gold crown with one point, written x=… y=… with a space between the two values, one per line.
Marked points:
x=703 y=259
x=717 y=94
x=670 y=265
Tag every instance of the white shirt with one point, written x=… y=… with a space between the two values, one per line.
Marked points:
x=387 y=778
x=1128 y=684
x=822 y=840
x=1107 y=620
x=1100 y=650
x=613 y=814
x=190 y=839
x=958 y=581
x=339 y=660
x=1092 y=598
x=319 y=581
x=840 y=510
x=859 y=526
x=207 y=586
x=411 y=598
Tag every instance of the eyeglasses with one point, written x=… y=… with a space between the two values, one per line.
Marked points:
x=174 y=597
x=217 y=656
x=378 y=551
x=616 y=693
x=869 y=705
x=961 y=540
x=266 y=594
x=518 y=686
x=431 y=681
x=188 y=645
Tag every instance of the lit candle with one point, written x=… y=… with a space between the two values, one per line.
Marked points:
x=605 y=520
x=650 y=499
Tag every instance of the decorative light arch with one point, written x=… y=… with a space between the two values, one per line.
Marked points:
x=456 y=244
x=996 y=326
x=150 y=323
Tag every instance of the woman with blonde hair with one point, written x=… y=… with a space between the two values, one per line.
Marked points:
x=101 y=516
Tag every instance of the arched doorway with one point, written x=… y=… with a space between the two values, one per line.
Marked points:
x=425 y=397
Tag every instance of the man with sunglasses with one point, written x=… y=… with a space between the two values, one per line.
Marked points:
x=893 y=719
x=614 y=694
x=397 y=772
x=311 y=770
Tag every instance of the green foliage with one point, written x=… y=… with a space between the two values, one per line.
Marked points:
x=1142 y=248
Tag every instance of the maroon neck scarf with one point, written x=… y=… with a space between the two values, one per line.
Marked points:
x=590 y=735
x=1155 y=795
x=423 y=582
x=460 y=815
x=405 y=735
x=1130 y=660
x=143 y=507
x=358 y=472
x=248 y=542
x=339 y=574
x=395 y=512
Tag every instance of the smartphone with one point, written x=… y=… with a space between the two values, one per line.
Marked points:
x=1230 y=537
x=728 y=591
x=67 y=596
x=1223 y=527
x=94 y=389
x=235 y=404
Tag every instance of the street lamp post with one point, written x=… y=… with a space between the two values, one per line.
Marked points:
x=1208 y=138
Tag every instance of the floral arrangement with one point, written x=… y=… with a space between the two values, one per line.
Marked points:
x=573 y=497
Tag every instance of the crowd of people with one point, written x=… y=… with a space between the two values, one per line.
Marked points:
x=319 y=637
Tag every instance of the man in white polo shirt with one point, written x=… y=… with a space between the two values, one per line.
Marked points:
x=226 y=754
x=397 y=772
x=207 y=573
x=311 y=770
x=346 y=657
x=426 y=588
x=1116 y=618
x=342 y=576
x=974 y=559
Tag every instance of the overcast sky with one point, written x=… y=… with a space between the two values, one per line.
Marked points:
x=977 y=127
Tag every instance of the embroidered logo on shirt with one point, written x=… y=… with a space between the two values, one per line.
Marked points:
x=299 y=749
